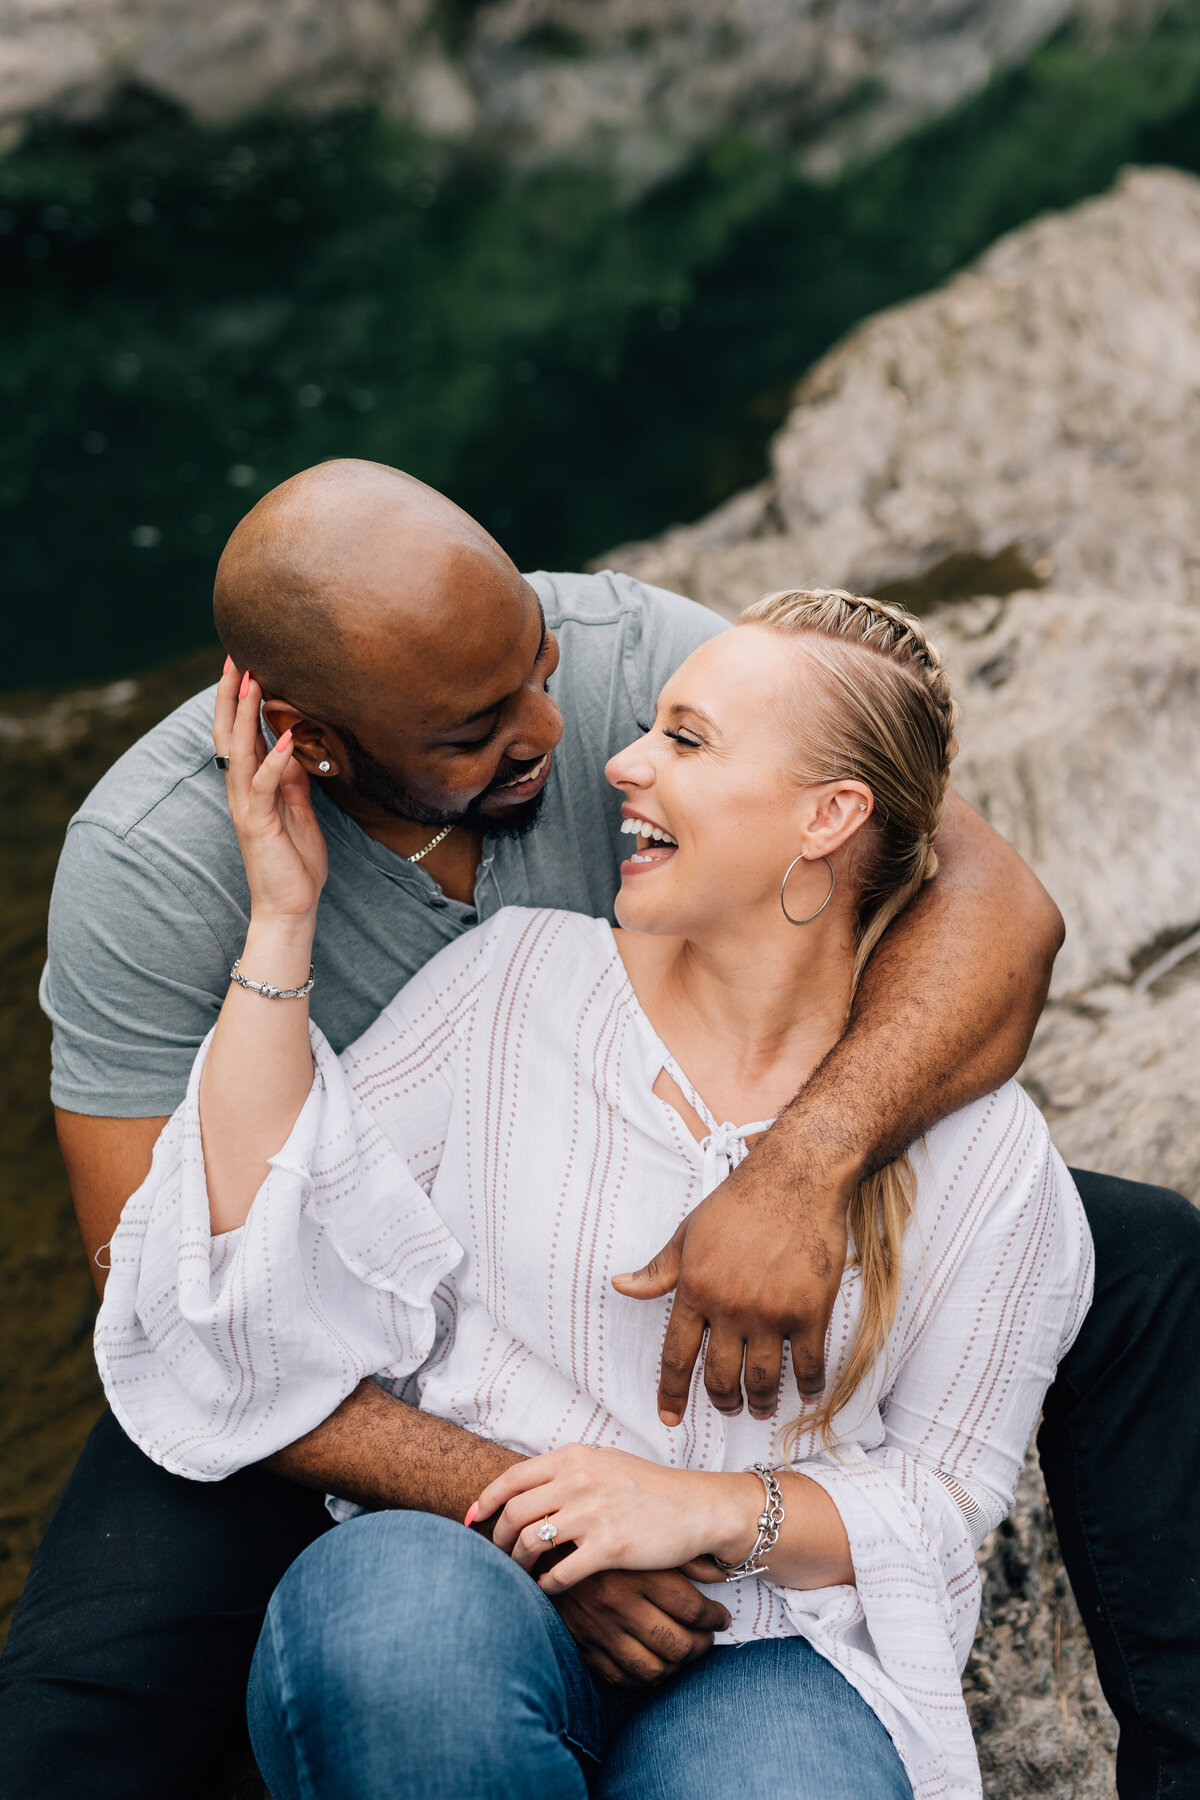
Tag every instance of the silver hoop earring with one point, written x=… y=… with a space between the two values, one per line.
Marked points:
x=325 y=765
x=825 y=902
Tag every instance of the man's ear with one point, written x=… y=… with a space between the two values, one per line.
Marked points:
x=842 y=809
x=315 y=747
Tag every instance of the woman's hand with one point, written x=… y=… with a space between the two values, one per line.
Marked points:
x=269 y=799
x=620 y=1512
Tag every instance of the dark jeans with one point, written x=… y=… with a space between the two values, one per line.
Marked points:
x=125 y=1670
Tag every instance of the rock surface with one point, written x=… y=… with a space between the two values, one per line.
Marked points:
x=1016 y=456
x=1039 y=1718
x=1034 y=419
x=636 y=85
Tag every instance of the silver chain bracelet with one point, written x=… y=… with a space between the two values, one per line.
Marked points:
x=769 y=1521
x=266 y=989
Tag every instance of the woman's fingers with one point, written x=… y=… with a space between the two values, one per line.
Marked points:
x=263 y=798
x=535 y=1471
x=225 y=708
x=243 y=759
x=247 y=745
x=529 y=1548
x=525 y=1510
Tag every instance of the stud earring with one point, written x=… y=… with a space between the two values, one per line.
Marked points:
x=862 y=806
x=324 y=765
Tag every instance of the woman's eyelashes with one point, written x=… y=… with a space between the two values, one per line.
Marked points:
x=678 y=737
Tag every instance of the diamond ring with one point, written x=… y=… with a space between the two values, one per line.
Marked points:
x=548 y=1531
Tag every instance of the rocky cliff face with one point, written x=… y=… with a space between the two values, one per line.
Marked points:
x=631 y=85
x=1016 y=456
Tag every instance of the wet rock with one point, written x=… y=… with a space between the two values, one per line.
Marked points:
x=1034 y=420
x=632 y=85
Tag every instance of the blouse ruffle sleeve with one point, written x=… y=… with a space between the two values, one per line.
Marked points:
x=215 y=1352
x=911 y=1616
x=999 y=1279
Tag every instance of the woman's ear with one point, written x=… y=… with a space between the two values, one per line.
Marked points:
x=315 y=747
x=841 y=810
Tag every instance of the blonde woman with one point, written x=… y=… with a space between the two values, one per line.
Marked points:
x=450 y=1207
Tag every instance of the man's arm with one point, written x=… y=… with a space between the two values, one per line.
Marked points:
x=944 y=1013
x=631 y=1629
x=107 y=1160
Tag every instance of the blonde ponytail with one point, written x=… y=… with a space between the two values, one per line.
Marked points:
x=884 y=715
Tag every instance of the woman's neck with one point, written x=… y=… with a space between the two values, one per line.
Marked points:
x=746 y=1017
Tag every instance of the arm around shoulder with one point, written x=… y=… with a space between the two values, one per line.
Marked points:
x=947 y=1004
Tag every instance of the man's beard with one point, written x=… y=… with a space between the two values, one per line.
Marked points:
x=381 y=788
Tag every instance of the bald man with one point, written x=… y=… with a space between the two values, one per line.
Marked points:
x=455 y=717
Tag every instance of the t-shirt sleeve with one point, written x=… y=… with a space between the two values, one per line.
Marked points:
x=667 y=628
x=134 y=980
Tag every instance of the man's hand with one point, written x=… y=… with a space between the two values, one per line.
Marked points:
x=635 y=1628
x=758 y=1261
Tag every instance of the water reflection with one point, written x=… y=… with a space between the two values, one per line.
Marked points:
x=189 y=316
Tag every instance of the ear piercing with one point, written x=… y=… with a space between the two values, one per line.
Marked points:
x=324 y=765
x=862 y=806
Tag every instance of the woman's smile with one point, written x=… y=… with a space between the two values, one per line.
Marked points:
x=655 y=844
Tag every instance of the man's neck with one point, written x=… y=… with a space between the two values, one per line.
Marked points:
x=453 y=864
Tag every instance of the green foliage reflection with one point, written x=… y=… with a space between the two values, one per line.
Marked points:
x=189 y=316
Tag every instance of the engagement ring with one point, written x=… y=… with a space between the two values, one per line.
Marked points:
x=549 y=1531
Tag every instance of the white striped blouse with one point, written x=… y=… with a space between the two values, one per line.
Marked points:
x=447 y=1214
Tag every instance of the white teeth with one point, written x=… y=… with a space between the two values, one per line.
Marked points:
x=642 y=828
x=519 y=780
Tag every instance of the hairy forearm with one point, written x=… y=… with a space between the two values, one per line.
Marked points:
x=381 y=1453
x=944 y=1012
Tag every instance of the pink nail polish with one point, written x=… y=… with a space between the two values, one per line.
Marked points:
x=245 y=687
x=472 y=1513
x=228 y=665
x=283 y=743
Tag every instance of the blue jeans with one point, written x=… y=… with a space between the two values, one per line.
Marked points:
x=404 y=1658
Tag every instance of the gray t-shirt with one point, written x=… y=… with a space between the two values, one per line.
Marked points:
x=151 y=906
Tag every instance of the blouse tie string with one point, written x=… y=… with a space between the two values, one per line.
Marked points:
x=724 y=1148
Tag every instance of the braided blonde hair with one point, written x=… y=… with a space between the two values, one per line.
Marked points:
x=882 y=714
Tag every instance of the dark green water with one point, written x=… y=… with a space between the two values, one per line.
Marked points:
x=189 y=316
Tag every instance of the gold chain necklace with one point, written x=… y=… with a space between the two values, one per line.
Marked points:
x=431 y=845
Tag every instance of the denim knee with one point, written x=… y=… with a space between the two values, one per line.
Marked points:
x=401 y=1639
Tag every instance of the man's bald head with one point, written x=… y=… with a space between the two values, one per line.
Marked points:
x=397 y=642
x=336 y=561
